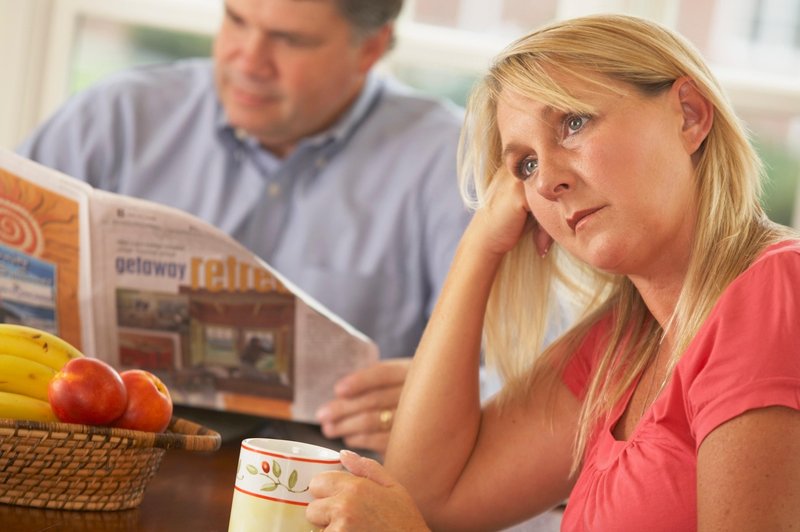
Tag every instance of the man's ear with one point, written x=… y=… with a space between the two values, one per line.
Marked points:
x=374 y=46
x=697 y=112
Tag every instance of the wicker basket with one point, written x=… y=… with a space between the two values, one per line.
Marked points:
x=78 y=467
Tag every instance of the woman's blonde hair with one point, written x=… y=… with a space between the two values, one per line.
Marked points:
x=731 y=229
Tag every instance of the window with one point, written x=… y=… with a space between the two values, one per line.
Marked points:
x=501 y=18
x=104 y=46
x=443 y=45
x=754 y=46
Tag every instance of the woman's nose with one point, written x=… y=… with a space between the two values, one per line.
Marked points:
x=553 y=178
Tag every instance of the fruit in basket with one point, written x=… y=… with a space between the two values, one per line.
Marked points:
x=18 y=406
x=149 y=402
x=87 y=391
x=37 y=345
x=24 y=376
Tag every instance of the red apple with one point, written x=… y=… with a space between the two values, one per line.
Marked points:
x=87 y=391
x=149 y=402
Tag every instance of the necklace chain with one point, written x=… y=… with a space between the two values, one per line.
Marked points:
x=650 y=397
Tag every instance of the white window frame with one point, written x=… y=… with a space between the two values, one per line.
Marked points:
x=47 y=29
x=23 y=40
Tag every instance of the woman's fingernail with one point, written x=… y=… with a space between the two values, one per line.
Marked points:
x=543 y=253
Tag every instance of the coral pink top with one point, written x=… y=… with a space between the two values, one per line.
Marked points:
x=745 y=356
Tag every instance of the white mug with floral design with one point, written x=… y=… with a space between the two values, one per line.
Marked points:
x=271 y=491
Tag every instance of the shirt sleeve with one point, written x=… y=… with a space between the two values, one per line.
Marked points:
x=76 y=139
x=443 y=212
x=747 y=355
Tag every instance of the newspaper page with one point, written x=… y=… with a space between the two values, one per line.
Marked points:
x=44 y=252
x=178 y=297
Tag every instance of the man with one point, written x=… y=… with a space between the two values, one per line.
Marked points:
x=343 y=181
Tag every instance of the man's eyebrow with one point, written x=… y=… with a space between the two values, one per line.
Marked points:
x=294 y=35
x=230 y=12
x=282 y=33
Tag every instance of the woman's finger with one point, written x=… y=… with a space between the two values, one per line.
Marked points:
x=366 y=468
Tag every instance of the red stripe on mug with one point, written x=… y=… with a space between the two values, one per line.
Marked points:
x=275 y=499
x=289 y=457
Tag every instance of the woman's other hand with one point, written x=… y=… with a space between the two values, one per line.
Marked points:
x=364 y=500
x=505 y=217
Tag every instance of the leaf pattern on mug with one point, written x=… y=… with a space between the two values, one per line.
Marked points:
x=269 y=487
x=274 y=481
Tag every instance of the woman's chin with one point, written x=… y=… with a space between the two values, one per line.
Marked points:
x=606 y=257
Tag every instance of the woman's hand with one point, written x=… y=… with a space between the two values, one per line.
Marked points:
x=505 y=217
x=364 y=500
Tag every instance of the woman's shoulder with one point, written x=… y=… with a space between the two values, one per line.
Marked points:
x=778 y=265
x=784 y=250
x=745 y=354
x=760 y=309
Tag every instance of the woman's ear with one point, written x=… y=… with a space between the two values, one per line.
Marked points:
x=697 y=113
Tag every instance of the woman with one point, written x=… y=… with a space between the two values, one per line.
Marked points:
x=673 y=404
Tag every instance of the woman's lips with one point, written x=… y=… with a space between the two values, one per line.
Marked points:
x=576 y=217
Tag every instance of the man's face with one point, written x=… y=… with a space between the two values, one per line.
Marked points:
x=286 y=69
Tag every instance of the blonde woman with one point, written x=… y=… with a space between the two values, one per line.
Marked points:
x=606 y=161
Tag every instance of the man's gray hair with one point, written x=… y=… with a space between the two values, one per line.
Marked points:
x=367 y=16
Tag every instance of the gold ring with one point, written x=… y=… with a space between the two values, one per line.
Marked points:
x=385 y=417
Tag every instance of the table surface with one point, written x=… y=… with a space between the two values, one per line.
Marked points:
x=191 y=491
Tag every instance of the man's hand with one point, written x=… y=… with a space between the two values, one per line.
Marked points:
x=364 y=406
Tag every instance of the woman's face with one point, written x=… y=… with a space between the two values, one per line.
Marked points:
x=615 y=188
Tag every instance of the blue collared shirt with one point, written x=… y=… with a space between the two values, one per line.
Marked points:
x=365 y=216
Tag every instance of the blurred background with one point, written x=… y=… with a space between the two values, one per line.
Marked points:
x=50 y=49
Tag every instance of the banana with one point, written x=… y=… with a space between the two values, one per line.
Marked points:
x=37 y=345
x=24 y=376
x=16 y=406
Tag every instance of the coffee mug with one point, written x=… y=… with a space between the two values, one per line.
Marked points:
x=272 y=479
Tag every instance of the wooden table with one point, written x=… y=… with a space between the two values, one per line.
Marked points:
x=192 y=491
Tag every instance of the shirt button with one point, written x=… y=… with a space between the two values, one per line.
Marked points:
x=273 y=189
x=320 y=163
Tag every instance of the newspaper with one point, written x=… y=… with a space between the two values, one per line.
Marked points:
x=142 y=285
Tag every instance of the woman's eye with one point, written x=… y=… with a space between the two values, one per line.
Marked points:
x=575 y=123
x=527 y=167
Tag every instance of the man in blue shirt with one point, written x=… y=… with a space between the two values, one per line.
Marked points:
x=344 y=181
